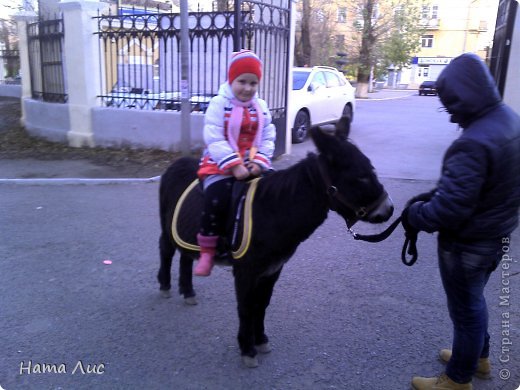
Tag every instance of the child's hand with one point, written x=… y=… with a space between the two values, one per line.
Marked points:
x=254 y=168
x=240 y=172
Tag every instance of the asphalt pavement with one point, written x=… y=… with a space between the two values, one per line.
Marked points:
x=80 y=306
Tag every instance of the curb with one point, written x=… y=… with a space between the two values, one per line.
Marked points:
x=387 y=98
x=79 y=181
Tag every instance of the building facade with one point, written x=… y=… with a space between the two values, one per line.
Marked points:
x=451 y=28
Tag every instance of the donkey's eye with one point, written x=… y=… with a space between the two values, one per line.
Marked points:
x=365 y=180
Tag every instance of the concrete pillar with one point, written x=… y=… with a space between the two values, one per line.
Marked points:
x=22 y=19
x=82 y=67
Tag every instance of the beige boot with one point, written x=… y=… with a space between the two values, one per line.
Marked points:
x=208 y=246
x=483 y=367
x=442 y=382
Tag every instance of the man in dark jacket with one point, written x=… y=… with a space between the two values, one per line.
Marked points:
x=474 y=208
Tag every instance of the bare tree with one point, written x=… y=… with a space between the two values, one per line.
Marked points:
x=303 y=46
x=382 y=32
x=389 y=33
x=370 y=32
x=404 y=40
x=314 y=42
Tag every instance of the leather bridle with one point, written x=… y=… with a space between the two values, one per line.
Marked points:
x=337 y=197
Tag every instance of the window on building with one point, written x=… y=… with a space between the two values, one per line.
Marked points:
x=430 y=12
x=427 y=41
x=342 y=15
x=435 y=11
x=425 y=14
x=423 y=71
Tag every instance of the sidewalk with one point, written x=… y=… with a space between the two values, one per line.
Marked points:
x=387 y=94
x=33 y=170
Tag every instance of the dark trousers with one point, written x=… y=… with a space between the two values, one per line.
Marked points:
x=217 y=197
x=464 y=276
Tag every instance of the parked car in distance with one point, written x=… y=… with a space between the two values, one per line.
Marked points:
x=172 y=101
x=320 y=95
x=144 y=99
x=128 y=97
x=427 y=88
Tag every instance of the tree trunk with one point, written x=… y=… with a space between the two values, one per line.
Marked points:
x=362 y=90
x=368 y=41
x=306 y=34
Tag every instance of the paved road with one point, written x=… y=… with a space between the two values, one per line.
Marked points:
x=404 y=136
x=344 y=315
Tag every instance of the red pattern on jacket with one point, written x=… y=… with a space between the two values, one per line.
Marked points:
x=245 y=141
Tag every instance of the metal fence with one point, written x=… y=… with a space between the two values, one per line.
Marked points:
x=45 y=41
x=140 y=53
x=10 y=67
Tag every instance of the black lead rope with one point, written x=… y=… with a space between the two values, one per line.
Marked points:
x=410 y=247
x=410 y=242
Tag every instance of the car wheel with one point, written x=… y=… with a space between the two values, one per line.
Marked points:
x=301 y=127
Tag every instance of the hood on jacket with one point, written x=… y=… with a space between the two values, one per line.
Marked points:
x=467 y=89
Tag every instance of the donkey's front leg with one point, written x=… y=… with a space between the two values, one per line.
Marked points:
x=245 y=291
x=263 y=295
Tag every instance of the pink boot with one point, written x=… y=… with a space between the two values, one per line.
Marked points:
x=207 y=252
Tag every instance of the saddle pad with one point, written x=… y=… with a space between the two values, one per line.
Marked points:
x=186 y=219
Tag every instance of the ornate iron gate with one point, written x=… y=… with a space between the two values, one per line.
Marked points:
x=45 y=41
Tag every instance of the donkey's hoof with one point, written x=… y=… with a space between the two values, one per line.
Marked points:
x=263 y=348
x=191 y=301
x=166 y=294
x=250 y=362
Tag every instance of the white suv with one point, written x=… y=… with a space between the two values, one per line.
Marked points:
x=320 y=95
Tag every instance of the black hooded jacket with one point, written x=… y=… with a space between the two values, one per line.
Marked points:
x=478 y=195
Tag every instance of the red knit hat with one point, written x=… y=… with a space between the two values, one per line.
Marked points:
x=244 y=61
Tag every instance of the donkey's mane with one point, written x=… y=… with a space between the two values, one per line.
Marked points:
x=283 y=184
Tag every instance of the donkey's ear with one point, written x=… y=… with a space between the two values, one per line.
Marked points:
x=343 y=128
x=326 y=144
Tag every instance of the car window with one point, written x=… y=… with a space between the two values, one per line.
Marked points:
x=299 y=79
x=319 y=78
x=332 y=80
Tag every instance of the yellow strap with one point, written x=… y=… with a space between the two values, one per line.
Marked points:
x=248 y=221
x=175 y=234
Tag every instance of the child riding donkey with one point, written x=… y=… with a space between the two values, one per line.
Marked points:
x=239 y=137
